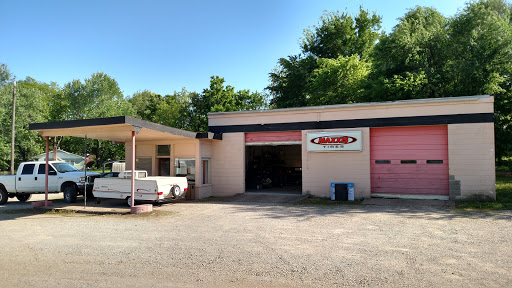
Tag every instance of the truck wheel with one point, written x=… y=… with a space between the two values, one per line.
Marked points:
x=70 y=194
x=176 y=191
x=3 y=196
x=22 y=197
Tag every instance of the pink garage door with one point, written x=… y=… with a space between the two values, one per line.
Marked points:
x=286 y=137
x=409 y=160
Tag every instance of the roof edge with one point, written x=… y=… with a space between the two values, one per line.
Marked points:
x=398 y=102
x=111 y=121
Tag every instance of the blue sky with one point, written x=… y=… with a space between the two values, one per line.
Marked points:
x=163 y=46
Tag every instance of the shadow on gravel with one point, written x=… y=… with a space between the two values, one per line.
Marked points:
x=305 y=212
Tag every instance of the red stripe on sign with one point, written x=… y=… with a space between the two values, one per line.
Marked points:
x=287 y=136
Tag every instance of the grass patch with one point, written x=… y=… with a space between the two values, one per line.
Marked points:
x=503 y=197
x=63 y=212
x=326 y=202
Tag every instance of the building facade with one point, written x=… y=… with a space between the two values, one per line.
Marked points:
x=424 y=149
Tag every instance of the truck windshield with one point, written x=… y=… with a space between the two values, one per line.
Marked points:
x=64 y=167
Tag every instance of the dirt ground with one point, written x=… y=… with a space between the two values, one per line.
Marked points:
x=257 y=245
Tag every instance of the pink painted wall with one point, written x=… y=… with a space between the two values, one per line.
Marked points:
x=471 y=153
x=320 y=169
x=228 y=165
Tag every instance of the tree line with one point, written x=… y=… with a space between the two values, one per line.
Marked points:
x=347 y=59
x=100 y=96
x=344 y=59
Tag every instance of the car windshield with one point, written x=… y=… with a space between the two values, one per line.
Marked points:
x=64 y=167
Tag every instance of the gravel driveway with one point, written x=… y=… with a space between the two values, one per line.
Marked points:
x=257 y=245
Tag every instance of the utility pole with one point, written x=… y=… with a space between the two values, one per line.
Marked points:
x=12 y=125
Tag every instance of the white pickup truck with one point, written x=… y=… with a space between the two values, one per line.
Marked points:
x=151 y=189
x=30 y=179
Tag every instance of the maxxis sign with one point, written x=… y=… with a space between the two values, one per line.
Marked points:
x=335 y=141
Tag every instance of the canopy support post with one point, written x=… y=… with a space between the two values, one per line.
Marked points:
x=47 y=169
x=133 y=170
x=85 y=171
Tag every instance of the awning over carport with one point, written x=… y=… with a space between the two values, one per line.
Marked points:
x=121 y=129
x=116 y=129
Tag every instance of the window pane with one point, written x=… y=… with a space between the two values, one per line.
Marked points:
x=382 y=161
x=28 y=169
x=407 y=161
x=206 y=171
x=185 y=167
x=144 y=164
x=434 y=161
x=42 y=169
x=163 y=150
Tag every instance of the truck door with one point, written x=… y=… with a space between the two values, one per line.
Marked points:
x=26 y=179
x=52 y=178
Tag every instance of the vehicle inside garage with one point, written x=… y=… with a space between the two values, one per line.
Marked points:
x=273 y=168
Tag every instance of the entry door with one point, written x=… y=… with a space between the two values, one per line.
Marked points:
x=409 y=161
x=164 y=166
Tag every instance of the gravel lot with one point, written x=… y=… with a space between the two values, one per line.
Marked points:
x=257 y=245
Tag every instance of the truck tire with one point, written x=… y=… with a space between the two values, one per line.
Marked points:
x=70 y=194
x=3 y=196
x=23 y=197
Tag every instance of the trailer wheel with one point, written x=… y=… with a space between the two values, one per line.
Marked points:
x=22 y=197
x=70 y=194
x=176 y=191
x=129 y=201
x=3 y=196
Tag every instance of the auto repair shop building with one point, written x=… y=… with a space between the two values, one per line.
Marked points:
x=425 y=149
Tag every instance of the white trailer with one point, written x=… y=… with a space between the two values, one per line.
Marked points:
x=151 y=189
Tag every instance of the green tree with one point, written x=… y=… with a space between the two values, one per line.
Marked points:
x=5 y=117
x=98 y=96
x=174 y=110
x=145 y=105
x=481 y=56
x=289 y=81
x=220 y=98
x=338 y=81
x=409 y=63
x=342 y=35
x=31 y=106
x=311 y=78
x=5 y=75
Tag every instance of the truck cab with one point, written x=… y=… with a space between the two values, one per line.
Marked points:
x=30 y=179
